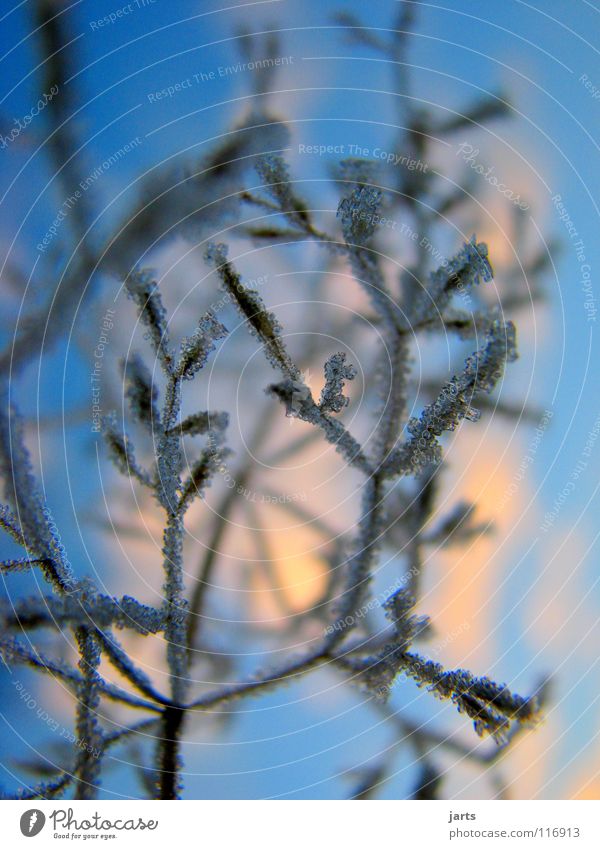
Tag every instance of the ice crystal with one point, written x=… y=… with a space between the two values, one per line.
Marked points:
x=195 y=350
x=336 y=373
x=143 y=290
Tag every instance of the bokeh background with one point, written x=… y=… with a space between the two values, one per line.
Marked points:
x=519 y=603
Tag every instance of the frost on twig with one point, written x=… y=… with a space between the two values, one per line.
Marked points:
x=45 y=789
x=359 y=565
x=201 y=423
x=399 y=610
x=202 y=471
x=481 y=373
x=10 y=524
x=89 y=734
x=196 y=349
x=274 y=172
x=30 y=521
x=123 y=663
x=175 y=495
x=122 y=453
x=78 y=609
x=336 y=373
x=261 y=322
x=141 y=393
x=14 y=652
x=491 y=706
x=143 y=290
x=359 y=214
x=376 y=673
x=469 y=267
x=23 y=564
x=300 y=404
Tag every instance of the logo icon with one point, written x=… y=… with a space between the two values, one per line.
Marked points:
x=32 y=822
